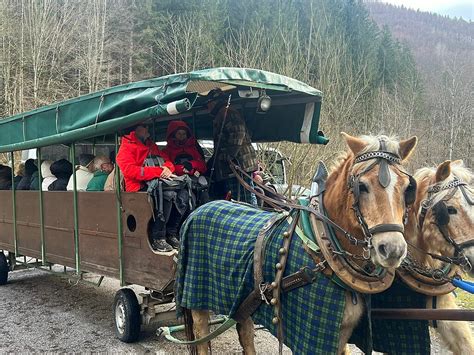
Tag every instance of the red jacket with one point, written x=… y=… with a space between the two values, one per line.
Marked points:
x=187 y=151
x=130 y=159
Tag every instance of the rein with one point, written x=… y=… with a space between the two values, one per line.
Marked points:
x=368 y=272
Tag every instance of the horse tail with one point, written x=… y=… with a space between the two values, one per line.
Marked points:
x=188 y=327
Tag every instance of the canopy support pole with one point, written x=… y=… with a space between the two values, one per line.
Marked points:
x=41 y=212
x=119 y=212
x=76 y=217
x=15 y=235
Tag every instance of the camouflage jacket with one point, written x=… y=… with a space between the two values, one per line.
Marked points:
x=234 y=144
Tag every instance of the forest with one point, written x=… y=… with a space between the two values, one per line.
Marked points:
x=52 y=50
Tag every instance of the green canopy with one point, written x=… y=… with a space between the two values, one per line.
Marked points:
x=293 y=116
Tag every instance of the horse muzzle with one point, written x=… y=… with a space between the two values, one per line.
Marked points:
x=389 y=249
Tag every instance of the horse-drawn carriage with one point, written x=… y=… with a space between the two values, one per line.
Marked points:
x=300 y=263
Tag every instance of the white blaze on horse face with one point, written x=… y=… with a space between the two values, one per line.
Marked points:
x=390 y=190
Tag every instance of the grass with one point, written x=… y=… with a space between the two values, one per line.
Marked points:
x=464 y=299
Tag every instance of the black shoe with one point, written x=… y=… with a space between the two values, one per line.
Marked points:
x=161 y=245
x=173 y=241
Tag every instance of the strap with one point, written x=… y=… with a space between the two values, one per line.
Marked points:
x=229 y=322
x=250 y=304
x=381 y=228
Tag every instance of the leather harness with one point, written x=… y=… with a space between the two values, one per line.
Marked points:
x=269 y=293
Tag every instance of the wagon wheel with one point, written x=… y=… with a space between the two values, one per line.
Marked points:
x=4 y=268
x=126 y=315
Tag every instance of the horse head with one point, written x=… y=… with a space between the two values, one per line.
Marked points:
x=368 y=194
x=444 y=215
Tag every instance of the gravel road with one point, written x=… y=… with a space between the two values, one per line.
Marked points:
x=41 y=312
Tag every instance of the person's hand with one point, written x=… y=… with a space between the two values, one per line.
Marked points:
x=197 y=174
x=166 y=173
x=257 y=178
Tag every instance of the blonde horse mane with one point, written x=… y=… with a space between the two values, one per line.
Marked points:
x=458 y=171
x=373 y=144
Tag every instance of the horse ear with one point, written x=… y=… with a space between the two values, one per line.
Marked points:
x=443 y=171
x=458 y=162
x=355 y=144
x=407 y=147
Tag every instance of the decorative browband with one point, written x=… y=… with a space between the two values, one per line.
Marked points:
x=393 y=158
x=454 y=183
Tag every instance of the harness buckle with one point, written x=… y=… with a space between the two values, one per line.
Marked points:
x=263 y=287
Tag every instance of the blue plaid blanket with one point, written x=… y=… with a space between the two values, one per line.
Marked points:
x=215 y=272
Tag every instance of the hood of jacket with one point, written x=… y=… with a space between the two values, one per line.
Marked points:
x=62 y=169
x=46 y=169
x=173 y=126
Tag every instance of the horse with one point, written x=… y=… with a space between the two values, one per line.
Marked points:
x=365 y=200
x=441 y=244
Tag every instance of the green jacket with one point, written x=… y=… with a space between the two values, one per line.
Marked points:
x=98 y=181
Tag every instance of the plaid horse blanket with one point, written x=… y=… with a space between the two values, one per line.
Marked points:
x=395 y=336
x=215 y=272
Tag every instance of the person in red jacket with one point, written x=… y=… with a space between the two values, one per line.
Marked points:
x=182 y=150
x=135 y=147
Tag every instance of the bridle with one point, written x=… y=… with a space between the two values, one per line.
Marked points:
x=384 y=159
x=440 y=211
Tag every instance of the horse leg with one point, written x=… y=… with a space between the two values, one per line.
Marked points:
x=201 y=329
x=246 y=333
x=352 y=315
x=457 y=335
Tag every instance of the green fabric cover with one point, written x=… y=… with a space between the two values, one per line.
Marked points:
x=97 y=182
x=105 y=112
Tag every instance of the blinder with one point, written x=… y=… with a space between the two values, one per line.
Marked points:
x=410 y=192
x=441 y=214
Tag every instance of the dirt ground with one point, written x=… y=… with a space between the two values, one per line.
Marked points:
x=41 y=312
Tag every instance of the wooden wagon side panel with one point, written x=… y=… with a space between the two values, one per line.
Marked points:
x=141 y=264
x=58 y=220
x=6 y=221
x=28 y=223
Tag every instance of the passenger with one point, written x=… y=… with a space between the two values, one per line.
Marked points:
x=110 y=182
x=102 y=168
x=84 y=173
x=5 y=177
x=232 y=143
x=47 y=175
x=62 y=169
x=30 y=170
x=134 y=149
x=182 y=149
x=19 y=173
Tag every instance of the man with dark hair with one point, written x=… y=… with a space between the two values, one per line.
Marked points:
x=5 y=177
x=135 y=148
x=232 y=144
x=25 y=182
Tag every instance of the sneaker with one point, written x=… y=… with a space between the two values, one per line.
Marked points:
x=161 y=245
x=173 y=241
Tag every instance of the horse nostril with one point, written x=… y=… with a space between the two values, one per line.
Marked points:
x=382 y=250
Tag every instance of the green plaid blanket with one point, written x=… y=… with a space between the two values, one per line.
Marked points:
x=215 y=272
x=394 y=336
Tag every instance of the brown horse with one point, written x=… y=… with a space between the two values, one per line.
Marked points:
x=442 y=223
x=372 y=168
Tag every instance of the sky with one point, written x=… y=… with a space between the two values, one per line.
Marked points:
x=453 y=8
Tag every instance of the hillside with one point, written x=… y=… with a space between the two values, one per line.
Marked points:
x=443 y=49
x=434 y=40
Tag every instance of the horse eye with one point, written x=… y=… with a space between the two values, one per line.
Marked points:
x=363 y=187
x=452 y=210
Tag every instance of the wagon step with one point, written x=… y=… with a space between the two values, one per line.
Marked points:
x=423 y=314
